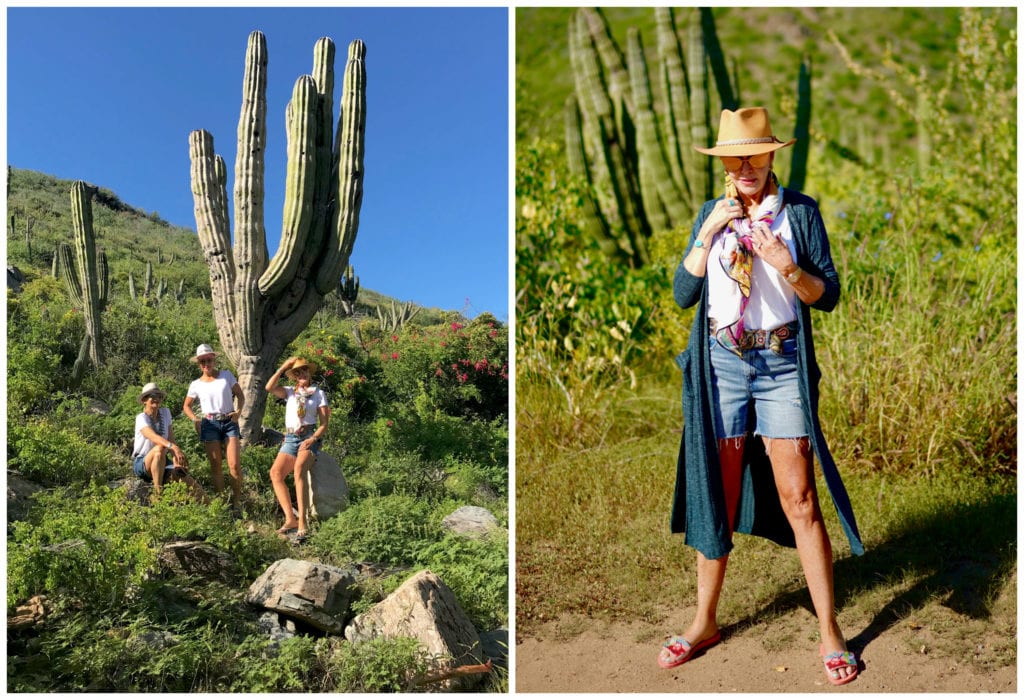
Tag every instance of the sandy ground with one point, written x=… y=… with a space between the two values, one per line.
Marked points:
x=621 y=657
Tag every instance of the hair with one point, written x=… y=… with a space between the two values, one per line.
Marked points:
x=732 y=193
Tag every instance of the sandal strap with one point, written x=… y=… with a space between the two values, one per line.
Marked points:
x=840 y=659
x=677 y=641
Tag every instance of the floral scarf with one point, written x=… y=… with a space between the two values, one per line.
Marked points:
x=300 y=399
x=737 y=260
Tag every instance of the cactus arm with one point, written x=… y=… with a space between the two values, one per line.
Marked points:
x=85 y=253
x=65 y=265
x=299 y=184
x=674 y=85
x=349 y=146
x=103 y=278
x=209 y=192
x=802 y=130
x=250 y=249
x=699 y=118
x=131 y=287
x=715 y=57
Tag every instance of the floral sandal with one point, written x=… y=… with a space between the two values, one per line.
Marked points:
x=677 y=651
x=838 y=660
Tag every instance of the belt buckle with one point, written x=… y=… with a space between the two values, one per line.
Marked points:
x=746 y=341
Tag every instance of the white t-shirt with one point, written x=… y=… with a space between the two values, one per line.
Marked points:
x=772 y=299
x=215 y=396
x=142 y=443
x=313 y=401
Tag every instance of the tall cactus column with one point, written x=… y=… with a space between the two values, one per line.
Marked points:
x=260 y=306
x=86 y=277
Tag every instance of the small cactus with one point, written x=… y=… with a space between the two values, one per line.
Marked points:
x=348 y=291
x=397 y=317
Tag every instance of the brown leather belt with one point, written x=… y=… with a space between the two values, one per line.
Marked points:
x=758 y=338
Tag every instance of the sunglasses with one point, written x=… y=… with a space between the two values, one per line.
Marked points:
x=735 y=163
x=207 y=361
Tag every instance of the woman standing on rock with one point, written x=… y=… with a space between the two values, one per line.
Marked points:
x=217 y=391
x=305 y=406
x=757 y=262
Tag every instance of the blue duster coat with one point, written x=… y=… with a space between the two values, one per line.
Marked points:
x=698 y=507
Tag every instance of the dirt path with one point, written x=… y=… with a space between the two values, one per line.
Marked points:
x=620 y=657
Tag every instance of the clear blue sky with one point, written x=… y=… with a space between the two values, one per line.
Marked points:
x=109 y=95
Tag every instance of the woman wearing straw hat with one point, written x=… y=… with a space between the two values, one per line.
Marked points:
x=757 y=262
x=156 y=458
x=305 y=406
x=218 y=391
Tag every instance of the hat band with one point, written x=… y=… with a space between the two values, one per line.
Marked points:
x=745 y=142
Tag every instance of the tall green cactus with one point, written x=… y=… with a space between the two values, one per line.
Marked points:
x=86 y=276
x=636 y=149
x=348 y=291
x=260 y=306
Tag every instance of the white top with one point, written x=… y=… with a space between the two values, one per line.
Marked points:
x=773 y=302
x=215 y=396
x=313 y=401
x=142 y=443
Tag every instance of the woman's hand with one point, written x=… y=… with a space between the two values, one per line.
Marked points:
x=772 y=249
x=724 y=211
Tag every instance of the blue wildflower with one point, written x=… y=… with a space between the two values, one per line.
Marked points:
x=938 y=256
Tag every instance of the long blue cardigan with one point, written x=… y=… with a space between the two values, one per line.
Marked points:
x=698 y=508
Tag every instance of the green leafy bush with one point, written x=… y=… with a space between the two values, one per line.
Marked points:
x=477 y=572
x=52 y=456
x=385 y=529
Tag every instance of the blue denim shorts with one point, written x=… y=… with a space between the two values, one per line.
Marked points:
x=218 y=430
x=762 y=380
x=291 y=442
x=139 y=468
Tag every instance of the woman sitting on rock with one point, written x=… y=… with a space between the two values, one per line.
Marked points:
x=156 y=458
x=305 y=405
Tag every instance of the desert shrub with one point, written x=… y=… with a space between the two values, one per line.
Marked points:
x=385 y=529
x=294 y=665
x=477 y=572
x=378 y=665
x=96 y=546
x=52 y=456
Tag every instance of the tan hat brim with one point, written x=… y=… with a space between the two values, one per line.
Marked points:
x=748 y=149
x=291 y=372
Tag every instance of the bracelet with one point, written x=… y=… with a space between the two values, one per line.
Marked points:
x=698 y=243
x=794 y=276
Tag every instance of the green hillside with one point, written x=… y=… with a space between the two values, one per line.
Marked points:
x=131 y=238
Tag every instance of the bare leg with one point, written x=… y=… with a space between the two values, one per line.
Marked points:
x=302 y=464
x=283 y=465
x=794 y=478
x=216 y=457
x=711 y=572
x=234 y=455
x=155 y=460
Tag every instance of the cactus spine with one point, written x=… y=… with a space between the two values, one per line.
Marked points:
x=86 y=277
x=260 y=306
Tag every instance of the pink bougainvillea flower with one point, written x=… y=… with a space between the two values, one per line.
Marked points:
x=390 y=423
x=394 y=338
x=394 y=356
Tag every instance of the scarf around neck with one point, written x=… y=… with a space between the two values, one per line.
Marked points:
x=737 y=260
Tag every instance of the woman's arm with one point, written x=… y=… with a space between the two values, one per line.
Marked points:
x=236 y=390
x=272 y=385
x=187 y=410
x=324 y=414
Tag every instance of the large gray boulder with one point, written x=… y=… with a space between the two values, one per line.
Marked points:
x=425 y=609
x=326 y=487
x=19 y=496
x=314 y=593
x=470 y=521
x=197 y=559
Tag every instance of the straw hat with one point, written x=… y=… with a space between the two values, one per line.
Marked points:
x=745 y=132
x=203 y=350
x=151 y=389
x=299 y=364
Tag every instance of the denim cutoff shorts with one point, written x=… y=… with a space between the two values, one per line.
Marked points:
x=291 y=442
x=139 y=468
x=218 y=430
x=762 y=380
